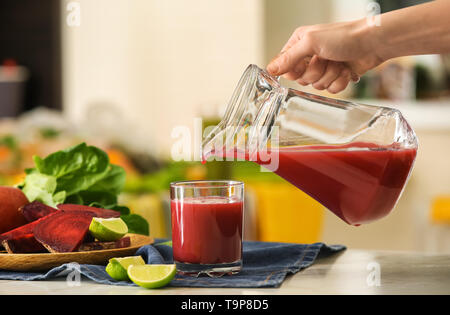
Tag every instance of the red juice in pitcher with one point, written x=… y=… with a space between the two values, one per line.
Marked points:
x=359 y=183
x=355 y=159
x=207 y=230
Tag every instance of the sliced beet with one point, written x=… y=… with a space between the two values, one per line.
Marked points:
x=99 y=212
x=121 y=243
x=21 y=230
x=26 y=243
x=17 y=232
x=63 y=231
x=35 y=210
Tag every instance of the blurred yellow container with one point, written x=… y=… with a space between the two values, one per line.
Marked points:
x=285 y=214
x=440 y=210
x=150 y=207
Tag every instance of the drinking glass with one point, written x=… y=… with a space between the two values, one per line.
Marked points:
x=207 y=220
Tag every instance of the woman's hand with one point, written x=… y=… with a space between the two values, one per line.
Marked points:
x=328 y=56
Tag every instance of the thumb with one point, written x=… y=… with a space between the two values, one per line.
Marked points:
x=287 y=60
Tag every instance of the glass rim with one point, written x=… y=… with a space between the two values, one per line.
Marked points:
x=205 y=184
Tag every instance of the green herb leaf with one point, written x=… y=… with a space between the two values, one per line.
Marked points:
x=122 y=209
x=42 y=188
x=136 y=224
x=102 y=199
x=113 y=181
x=76 y=168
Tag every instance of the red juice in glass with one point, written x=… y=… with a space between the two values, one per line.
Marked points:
x=207 y=230
x=207 y=219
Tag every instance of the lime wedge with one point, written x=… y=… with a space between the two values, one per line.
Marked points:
x=151 y=276
x=117 y=267
x=106 y=230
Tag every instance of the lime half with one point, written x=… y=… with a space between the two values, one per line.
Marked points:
x=151 y=276
x=110 y=229
x=117 y=267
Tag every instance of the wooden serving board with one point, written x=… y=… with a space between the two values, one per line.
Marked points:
x=46 y=261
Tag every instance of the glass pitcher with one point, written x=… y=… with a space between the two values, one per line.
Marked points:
x=354 y=159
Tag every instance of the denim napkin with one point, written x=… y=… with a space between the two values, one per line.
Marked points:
x=265 y=264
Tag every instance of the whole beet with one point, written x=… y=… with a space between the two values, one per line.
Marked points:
x=11 y=199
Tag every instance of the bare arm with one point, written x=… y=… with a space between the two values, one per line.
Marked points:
x=329 y=56
x=418 y=30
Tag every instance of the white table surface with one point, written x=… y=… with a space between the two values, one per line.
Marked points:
x=349 y=272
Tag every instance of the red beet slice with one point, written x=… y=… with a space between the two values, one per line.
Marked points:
x=64 y=231
x=123 y=242
x=99 y=212
x=21 y=230
x=23 y=244
x=35 y=210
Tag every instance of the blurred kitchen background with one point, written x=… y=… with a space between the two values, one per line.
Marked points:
x=123 y=74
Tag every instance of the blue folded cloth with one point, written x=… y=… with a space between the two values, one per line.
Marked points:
x=265 y=264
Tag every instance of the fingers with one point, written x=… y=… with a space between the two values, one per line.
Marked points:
x=326 y=75
x=298 y=70
x=289 y=59
x=355 y=77
x=332 y=72
x=298 y=62
x=314 y=71
x=341 y=82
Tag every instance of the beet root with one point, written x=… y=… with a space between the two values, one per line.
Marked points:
x=121 y=243
x=63 y=231
x=23 y=244
x=20 y=231
x=35 y=210
x=11 y=199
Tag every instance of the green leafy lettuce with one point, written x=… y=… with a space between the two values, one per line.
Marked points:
x=83 y=175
